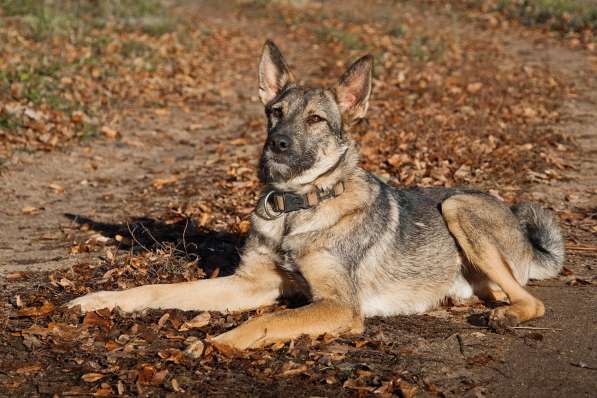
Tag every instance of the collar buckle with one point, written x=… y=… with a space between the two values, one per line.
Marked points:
x=274 y=212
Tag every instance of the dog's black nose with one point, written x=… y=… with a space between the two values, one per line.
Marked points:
x=280 y=143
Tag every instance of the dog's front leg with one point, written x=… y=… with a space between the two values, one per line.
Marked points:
x=256 y=283
x=334 y=310
x=318 y=318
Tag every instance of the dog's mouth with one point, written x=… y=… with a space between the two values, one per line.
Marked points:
x=279 y=159
x=274 y=167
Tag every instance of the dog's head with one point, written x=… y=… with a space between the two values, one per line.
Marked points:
x=305 y=126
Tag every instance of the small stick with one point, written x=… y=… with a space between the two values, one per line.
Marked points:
x=132 y=233
x=460 y=344
x=582 y=365
x=533 y=328
x=582 y=248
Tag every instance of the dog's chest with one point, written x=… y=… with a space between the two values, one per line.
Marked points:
x=292 y=236
x=292 y=248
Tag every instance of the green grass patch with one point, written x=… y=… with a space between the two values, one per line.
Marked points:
x=8 y=122
x=88 y=132
x=132 y=48
x=348 y=39
x=563 y=15
x=397 y=31
x=39 y=84
x=423 y=48
x=43 y=19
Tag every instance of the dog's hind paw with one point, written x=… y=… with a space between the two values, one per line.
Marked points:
x=500 y=319
x=507 y=316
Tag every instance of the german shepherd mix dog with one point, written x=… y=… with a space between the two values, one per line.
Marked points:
x=354 y=246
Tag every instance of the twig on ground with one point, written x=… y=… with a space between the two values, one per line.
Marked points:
x=184 y=232
x=148 y=232
x=132 y=232
x=585 y=249
x=533 y=328
x=460 y=344
x=583 y=365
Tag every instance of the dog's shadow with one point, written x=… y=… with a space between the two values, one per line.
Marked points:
x=214 y=249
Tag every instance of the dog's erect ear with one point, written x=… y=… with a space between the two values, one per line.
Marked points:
x=274 y=74
x=354 y=88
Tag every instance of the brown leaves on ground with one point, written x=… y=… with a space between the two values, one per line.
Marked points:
x=449 y=107
x=106 y=352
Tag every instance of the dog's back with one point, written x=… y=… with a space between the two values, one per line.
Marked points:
x=403 y=259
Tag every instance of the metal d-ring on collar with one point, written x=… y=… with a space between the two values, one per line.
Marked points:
x=270 y=215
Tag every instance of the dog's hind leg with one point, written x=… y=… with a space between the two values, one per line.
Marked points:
x=490 y=237
x=256 y=283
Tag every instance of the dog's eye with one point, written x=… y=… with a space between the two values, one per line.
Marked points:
x=312 y=119
x=276 y=113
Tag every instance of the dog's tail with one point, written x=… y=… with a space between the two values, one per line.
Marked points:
x=542 y=229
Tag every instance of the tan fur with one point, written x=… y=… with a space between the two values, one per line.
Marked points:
x=483 y=252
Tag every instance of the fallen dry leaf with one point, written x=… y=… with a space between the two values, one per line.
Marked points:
x=175 y=385
x=13 y=276
x=407 y=390
x=146 y=374
x=244 y=227
x=45 y=309
x=172 y=355
x=56 y=187
x=292 y=369
x=197 y=322
x=29 y=369
x=92 y=377
x=163 y=319
x=29 y=210
x=158 y=183
x=109 y=132
x=195 y=349
x=103 y=391
x=93 y=318
x=159 y=377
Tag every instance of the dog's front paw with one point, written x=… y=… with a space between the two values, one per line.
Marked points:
x=230 y=340
x=95 y=301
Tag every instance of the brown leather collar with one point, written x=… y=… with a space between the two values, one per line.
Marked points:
x=286 y=202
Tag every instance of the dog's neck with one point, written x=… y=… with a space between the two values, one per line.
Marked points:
x=340 y=171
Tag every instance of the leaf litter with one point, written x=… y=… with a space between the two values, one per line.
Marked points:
x=447 y=110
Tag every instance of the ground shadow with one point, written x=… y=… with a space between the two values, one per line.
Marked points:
x=213 y=249
x=480 y=320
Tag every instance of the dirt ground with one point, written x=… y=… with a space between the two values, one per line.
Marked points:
x=462 y=96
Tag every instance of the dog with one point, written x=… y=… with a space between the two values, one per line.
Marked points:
x=334 y=234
